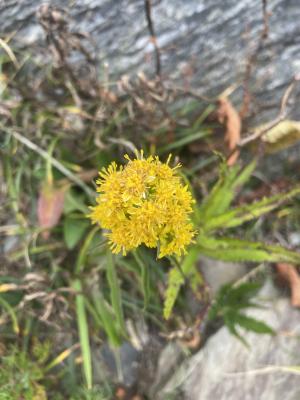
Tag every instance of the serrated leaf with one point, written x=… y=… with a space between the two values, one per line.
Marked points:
x=74 y=230
x=252 y=324
x=224 y=191
x=234 y=299
x=220 y=196
x=242 y=293
x=176 y=280
x=246 y=213
x=229 y=322
x=236 y=250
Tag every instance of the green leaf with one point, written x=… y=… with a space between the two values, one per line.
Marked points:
x=223 y=193
x=246 y=213
x=244 y=175
x=74 y=202
x=185 y=140
x=242 y=293
x=214 y=311
x=176 y=280
x=115 y=292
x=145 y=278
x=229 y=322
x=202 y=117
x=83 y=333
x=11 y=313
x=80 y=262
x=229 y=298
x=236 y=250
x=252 y=324
x=107 y=318
x=74 y=230
x=233 y=298
x=228 y=303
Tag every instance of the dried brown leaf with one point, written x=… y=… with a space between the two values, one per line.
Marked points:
x=229 y=116
x=50 y=207
x=290 y=274
x=281 y=136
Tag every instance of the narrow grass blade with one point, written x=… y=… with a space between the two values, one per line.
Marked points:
x=11 y=313
x=61 y=357
x=185 y=140
x=107 y=319
x=83 y=329
x=83 y=252
x=145 y=278
x=115 y=293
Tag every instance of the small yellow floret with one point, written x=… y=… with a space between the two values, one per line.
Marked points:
x=144 y=202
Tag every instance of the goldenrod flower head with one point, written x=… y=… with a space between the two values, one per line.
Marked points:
x=144 y=202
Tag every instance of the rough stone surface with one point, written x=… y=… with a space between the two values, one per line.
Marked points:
x=217 y=273
x=225 y=369
x=207 y=42
x=169 y=359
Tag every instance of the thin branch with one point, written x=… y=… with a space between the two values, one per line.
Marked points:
x=266 y=370
x=153 y=36
x=10 y=53
x=251 y=61
x=189 y=92
x=280 y=117
x=68 y=174
x=265 y=31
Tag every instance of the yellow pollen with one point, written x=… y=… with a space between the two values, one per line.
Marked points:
x=144 y=202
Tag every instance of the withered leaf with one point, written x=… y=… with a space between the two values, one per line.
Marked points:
x=229 y=116
x=50 y=207
x=290 y=274
x=281 y=136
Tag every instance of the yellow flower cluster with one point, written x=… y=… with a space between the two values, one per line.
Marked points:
x=144 y=202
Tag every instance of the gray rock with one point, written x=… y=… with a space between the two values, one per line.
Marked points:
x=210 y=39
x=217 y=273
x=225 y=369
x=169 y=359
x=119 y=365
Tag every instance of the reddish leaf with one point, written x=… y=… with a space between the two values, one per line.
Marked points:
x=228 y=116
x=50 y=207
x=290 y=274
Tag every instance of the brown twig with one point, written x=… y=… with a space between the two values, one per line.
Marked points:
x=251 y=61
x=282 y=114
x=182 y=91
x=280 y=117
x=153 y=36
x=265 y=31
